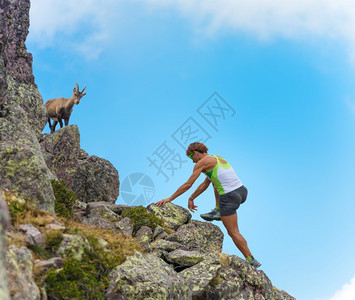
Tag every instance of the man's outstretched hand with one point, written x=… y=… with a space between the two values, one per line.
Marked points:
x=163 y=202
x=192 y=207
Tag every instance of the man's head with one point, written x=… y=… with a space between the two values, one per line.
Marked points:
x=196 y=150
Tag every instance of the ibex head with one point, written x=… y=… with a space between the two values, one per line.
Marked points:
x=77 y=95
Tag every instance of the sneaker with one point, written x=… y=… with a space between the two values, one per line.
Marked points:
x=254 y=263
x=213 y=215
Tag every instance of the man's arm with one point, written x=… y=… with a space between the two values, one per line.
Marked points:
x=201 y=188
x=182 y=189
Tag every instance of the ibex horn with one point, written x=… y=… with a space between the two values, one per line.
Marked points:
x=83 y=89
x=77 y=87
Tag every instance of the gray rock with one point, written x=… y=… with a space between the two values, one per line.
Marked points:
x=167 y=245
x=145 y=277
x=22 y=115
x=173 y=215
x=34 y=236
x=158 y=230
x=200 y=275
x=99 y=214
x=236 y=279
x=96 y=179
x=73 y=245
x=22 y=166
x=101 y=209
x=144 y=235
x=200 y=236
x=61 y=150
x=4 y=222
x=20 y=87
x=184 y=258
x=162 y=236
x=125 y=226
x=19 y=271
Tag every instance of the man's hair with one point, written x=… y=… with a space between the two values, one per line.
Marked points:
x=199 y=147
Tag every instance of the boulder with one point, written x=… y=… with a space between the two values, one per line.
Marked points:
x=200 y=236
x=200 y=275
x=144 y=236
x=34 y=236
x=19 y=272
x=145 y=277
x=96 y=179
x=125 y=226
x=117 y=209
x=99 y=214
x=173 y=215
x=73 y=245
x=4 y=222
x=60 y=151
x=184 y=258
x=236 y=279
x=167 y=246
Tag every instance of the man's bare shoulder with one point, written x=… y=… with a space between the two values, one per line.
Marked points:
x=207 y=163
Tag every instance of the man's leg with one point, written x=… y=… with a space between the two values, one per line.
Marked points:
x=231 y=224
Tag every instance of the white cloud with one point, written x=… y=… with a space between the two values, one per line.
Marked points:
x=347 y=292
x=84 y=23
x=267 y=19
x=331 y=21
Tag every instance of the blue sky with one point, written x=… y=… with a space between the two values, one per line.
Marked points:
x=284 y=74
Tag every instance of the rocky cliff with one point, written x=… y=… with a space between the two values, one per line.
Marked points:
x=62 y=236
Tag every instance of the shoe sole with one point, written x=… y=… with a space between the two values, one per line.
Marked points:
x=211 y=219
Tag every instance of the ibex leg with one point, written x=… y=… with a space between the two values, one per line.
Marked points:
x=61 y=123
x=50 y=125
x=53 y=126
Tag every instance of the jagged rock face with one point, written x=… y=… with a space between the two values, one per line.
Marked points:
x=4 y=221
x=22 y=167
x=21 y=89
x=96 y=179
x=93 y=179
x=61 y=150
x=22 y=115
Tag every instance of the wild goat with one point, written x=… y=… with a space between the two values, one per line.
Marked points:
x=61 y=108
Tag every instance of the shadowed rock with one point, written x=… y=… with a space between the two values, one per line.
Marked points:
x=61 y=150
x=96 y=179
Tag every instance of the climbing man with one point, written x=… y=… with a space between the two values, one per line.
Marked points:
x=229 y=192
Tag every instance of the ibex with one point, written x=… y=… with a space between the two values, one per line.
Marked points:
x=61 y=108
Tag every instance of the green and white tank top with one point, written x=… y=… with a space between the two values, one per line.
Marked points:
x=223 y=177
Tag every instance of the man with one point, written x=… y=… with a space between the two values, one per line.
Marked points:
x=229 y=191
